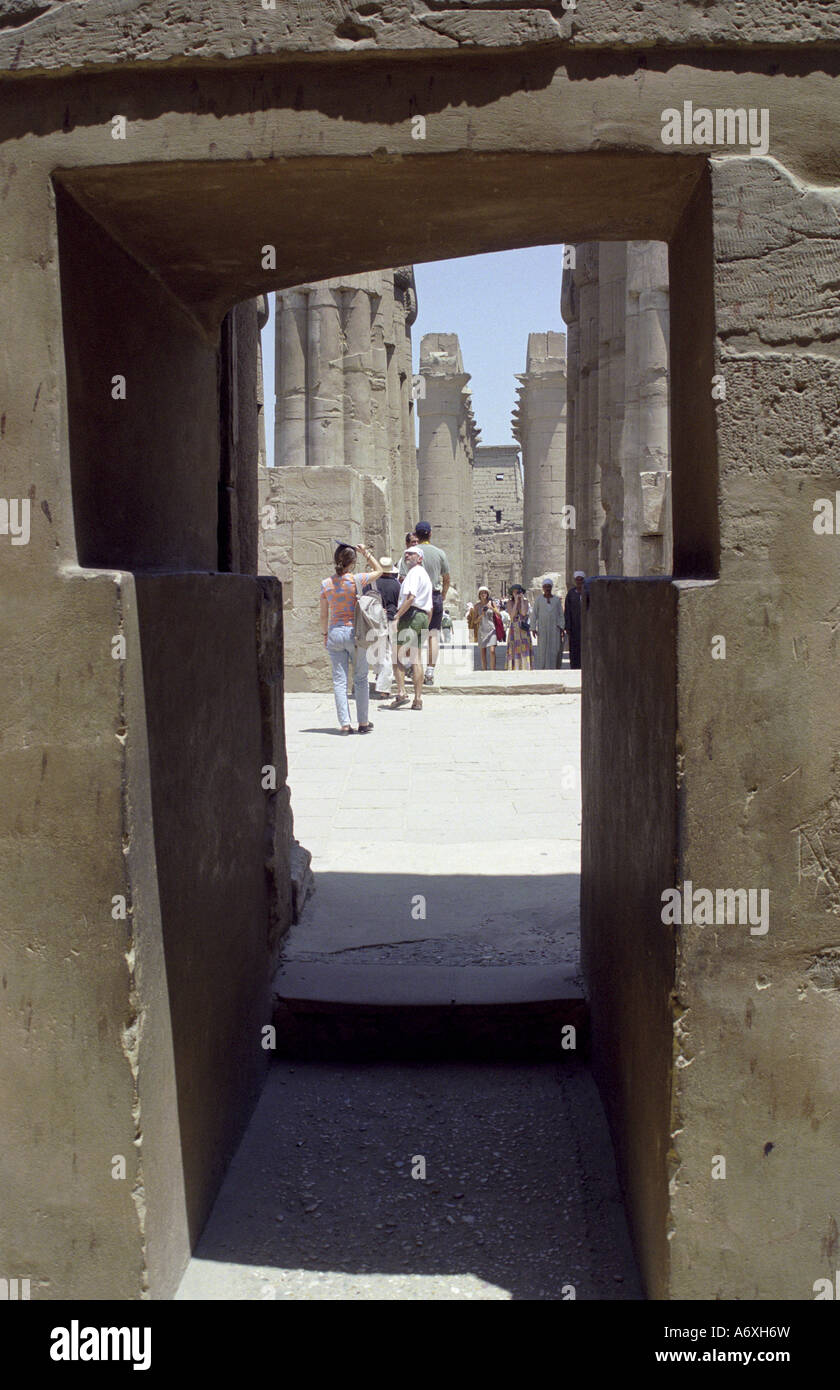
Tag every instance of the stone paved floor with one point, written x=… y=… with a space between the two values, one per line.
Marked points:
x=520 y=1198
x=472 y=804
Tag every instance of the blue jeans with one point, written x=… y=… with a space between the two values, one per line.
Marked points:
x=341 y=645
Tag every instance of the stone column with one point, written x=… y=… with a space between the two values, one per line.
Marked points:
x=612 y=268
x=645 y=447
x=654 y=406
x=617 y=297
x=325 y=424
x=540 y=426
x=358 y=431
x=629 y=442
x=393 y=396
x=262 y=320
x=589 y=513
x=381 y=308
x=406 y=294
x=571 y=317
x=344 y=442
x=290 y=334
x=447 y=437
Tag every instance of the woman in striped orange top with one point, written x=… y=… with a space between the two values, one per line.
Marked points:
x=339 y=595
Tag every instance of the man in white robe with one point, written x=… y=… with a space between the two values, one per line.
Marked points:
x=547 y=625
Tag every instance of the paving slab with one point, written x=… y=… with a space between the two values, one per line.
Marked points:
x=448 y=836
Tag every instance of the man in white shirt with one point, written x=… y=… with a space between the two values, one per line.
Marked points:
x=413 y=613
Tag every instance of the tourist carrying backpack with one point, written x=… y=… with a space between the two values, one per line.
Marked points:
x=385 y=646
x=348 y=617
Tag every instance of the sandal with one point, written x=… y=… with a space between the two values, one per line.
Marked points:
x=398 y=701
x=416 y=704
x=365 y=728
x=347 y=729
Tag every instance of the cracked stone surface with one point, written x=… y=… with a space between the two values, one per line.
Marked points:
x=100 y=33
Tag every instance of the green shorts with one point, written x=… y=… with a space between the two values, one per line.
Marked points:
x=408 y=629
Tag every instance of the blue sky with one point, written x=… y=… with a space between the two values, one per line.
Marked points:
x=492 y=302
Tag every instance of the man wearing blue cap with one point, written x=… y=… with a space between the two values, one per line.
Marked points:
x=436 y=566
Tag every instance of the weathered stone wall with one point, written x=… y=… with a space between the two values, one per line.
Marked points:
x=445 y=453
x=206 y=688
x=298 y=519
x=498 y=544
x=165 y=514
x=52 y=40
x=758 y=733
x=239 y=368
x=629 y=830
x=615 y=302
x=318 y=158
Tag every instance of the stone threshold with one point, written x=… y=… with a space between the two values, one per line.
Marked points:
x=328 y=1012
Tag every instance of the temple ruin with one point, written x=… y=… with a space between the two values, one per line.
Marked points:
x=344 y=454
x=615 y=305
x=446 y=448
x=159 y=173
x=539 y=424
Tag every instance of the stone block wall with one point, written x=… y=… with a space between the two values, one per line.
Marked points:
x=498 y=543
x=303 y=513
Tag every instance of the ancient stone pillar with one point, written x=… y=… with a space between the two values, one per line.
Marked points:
x=325 y=423
x=447 y=440
x=620 y=481
x=393 y=392
x=587 y=500
x=381 y=308
x=571 y=316
x=358 y=432
x=540 y=426
x=262 y=320
x=612 y=266
x=405 y=292
x=290 y=333
x=651 y=282
x=629 y=442
x=344 y=432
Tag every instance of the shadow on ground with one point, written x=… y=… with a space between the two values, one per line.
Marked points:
x=519 y=1201
x=470 y=918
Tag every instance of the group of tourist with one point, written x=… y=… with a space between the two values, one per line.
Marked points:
x=395 y=612
x=515 y=625
x=405 y=613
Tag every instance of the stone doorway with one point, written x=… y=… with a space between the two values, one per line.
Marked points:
x=715 y=774
x=180 y=237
